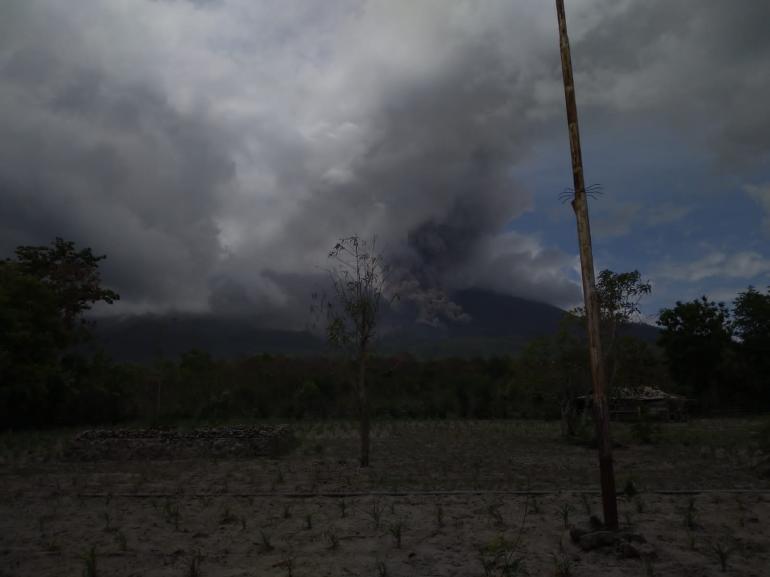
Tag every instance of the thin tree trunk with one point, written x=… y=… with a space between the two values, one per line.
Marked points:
x=612 y=362
x=363 y=406
x=568 y=412
x=569 y=418
x=157 y=401
x=567 y=430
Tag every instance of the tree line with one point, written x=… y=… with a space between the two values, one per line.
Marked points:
x=716 y=354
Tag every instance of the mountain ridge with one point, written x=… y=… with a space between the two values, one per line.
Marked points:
x=498 y=324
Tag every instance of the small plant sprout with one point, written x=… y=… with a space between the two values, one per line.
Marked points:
x=488 y=563
x=375 y=512
x=512 y=564
x=629 y=489
x=122 y=541
x=171 y=512
x=439 y=516
x=396 y=530
x=501 y=557
x=722 y=552
x=562 y=564
x=227 y=517
x=689 y=514
x=476 y=472
x=288 y=563
x=332 y=540
x=52 y=546
x=89 y=562
x=497 y=516
x=194 y=566
x=265 y=546
x=586 y=501
x=648 y=565
x=564 y=512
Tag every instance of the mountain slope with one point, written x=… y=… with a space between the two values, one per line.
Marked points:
x=499 y=324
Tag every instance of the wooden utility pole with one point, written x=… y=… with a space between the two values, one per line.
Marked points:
x=580 y=206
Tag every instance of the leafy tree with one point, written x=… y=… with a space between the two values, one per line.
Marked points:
x=619 y=296
x=30 y=340
x=358 y=277
x=43 y=293
x=71 y=275
x=751 y=322
x=696 y=337
x=751 y=318
x=557 y=368
x=638 y=364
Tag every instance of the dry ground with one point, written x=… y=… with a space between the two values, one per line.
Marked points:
x=449 y=488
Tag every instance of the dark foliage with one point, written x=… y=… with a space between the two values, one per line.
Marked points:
x=718 y=356
x=715 y=355
x=43 y=293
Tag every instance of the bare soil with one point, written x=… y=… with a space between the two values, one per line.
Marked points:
x=467 y=498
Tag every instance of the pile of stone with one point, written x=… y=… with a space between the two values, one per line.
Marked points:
x=165 y=444
x=626 y=544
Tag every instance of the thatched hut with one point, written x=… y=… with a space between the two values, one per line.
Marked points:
x=633 y=403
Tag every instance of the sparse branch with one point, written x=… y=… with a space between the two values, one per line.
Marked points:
x=358 y=280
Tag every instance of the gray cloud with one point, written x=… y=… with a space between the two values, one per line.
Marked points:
x=761 y=195
x=699 y=66
x=215 y=150
x=116 y=167
x=743 y=264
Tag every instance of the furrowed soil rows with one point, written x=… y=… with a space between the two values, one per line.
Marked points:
x=439 y=499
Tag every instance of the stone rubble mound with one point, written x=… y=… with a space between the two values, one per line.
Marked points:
x=625 y=543
x=167 y=444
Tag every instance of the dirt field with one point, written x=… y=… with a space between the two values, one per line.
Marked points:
x=441 y=498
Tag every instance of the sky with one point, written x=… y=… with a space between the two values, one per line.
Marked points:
x=215 y=150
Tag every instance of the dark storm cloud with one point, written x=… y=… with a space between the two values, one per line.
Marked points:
x=699 y=65
x=216 y=150
x=111 y=165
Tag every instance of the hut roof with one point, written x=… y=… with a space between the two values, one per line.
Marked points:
x=644 y=393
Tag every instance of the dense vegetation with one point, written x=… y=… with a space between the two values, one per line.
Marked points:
x=716 y=355
x=44 y=292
